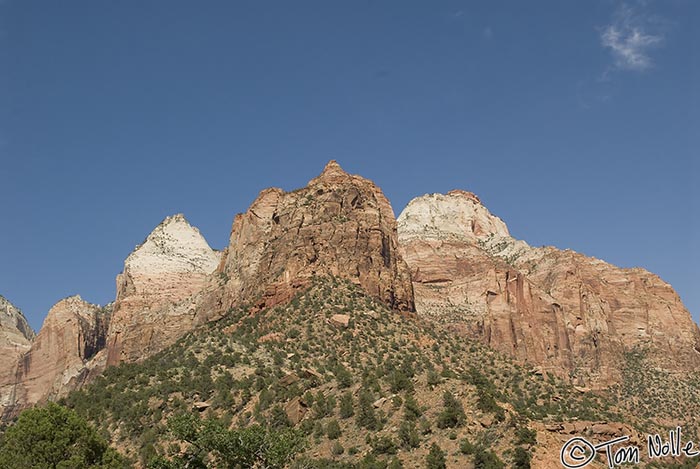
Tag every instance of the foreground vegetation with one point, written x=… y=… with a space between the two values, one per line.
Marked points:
x=293 y=387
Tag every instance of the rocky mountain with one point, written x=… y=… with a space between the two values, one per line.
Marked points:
x=339 y=224
x=371 y=339
x=58 y=360
x=15 y=340
x=151 y=309
x=568 y=313
x=375 y=390
x=78 y=339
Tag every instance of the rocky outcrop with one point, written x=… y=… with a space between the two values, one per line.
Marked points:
x=568 y=313
x=15 y=340
x=611 y=310
x=152 y=308
x=72 y=333
x=338 y=225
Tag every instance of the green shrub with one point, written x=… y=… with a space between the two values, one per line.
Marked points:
x=525 y=436
x=333 y=430
x=54 y=436
x=337 y=449
x=408 y=435
x=384 y=445
x=366 y=416
x=346 y=406
x=521 y=458
x=435 y=458
x=466 y=446
x=485 y=459
x=453 y=413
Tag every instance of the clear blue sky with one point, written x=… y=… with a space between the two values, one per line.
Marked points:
x=578 y=123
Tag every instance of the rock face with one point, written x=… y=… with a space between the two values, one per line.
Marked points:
x=570 y=314
x=72 y=333
x=151 y=310
x=339 y=225
x=15 y=340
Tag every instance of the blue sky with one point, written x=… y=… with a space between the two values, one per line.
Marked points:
x=578 y=123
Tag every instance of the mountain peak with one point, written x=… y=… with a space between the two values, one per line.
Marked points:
x=339 y=225
x=332 y=172
x=458 y=214
x=176 y=218
x=174 y=245
x=465 y=194
x=13 y=321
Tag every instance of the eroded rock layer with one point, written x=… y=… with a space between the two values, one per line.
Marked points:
x=339 y=225
x=151 y=310
x=571 y=314
x=15 y=340
x=72 y=333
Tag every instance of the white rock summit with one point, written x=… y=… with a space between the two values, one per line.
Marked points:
x=171 y=265
x=173 y=247
x=567 y=313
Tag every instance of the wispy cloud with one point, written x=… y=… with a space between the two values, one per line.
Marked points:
x=630 y=38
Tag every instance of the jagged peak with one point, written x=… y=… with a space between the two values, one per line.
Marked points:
x=173 y=245
x=466 y=194
x=11 y=317
x=458 y=213
x=332 y=168
x=73 y=304
x=332 y=172
x=176 y=218
x=73 y=299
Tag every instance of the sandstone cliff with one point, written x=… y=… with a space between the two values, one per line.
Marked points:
x=57 y=362
x=339 y=225
x=15 y=340
x=151 y=308
x=566 y=312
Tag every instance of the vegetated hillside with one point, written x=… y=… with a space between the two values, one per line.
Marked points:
x=362 y=386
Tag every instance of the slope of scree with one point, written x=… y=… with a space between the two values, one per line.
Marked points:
x=356 y=379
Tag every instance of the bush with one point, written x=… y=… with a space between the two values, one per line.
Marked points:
x=346 y=406
x=245 y=447
x=433 y=378
x=411 y=409
x=54 y=436
x=408 y=435
x=466 y=446
x=333 y=430
x=453 y=414
x=525 y=436
x=399 y=381
x=484 y=459
x=337 y=449
x=435 y=458
x=521 y=458
x=366 y=416
x=384 y=445
x=343 y=376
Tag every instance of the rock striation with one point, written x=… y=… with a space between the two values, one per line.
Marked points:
x=58 y=360
x=152 y=309
x=15 y=340
x=568 y=313
x=338 y=225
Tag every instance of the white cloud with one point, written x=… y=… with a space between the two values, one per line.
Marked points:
x=629 y=39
